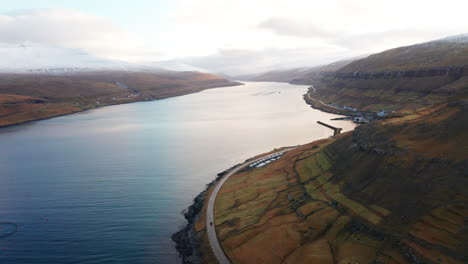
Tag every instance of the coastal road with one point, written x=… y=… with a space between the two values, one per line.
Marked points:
x=320 y=101
x=212 y=237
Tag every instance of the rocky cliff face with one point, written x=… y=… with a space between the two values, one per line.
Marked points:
x=391 y=90
x=403 y=78
x=454 y=72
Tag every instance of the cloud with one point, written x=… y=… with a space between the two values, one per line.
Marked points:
x=360 y=41
x=241 y=36
x=380 y=41
x=67 y=28
x=238 y=62
x=296 y=28
x=248 y=61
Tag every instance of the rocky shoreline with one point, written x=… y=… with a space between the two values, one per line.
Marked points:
x=186 y=240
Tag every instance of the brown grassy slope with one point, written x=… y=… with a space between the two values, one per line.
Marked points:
x=425 y=55
x=393 y=191
x=28 y=97
x=391 y=94
x=104 y=83
x=378 y=92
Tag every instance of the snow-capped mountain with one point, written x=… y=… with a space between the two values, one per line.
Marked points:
x=39 y=58
x=174 y=65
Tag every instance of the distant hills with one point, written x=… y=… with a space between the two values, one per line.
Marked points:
x=38 y=81
x=401 y=78
x=38 y=58
x=27 y=97
x=296 y=75
x=449 y=51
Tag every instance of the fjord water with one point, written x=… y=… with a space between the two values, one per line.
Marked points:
x=109 y=185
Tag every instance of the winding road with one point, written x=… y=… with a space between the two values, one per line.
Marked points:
x=212 y=237
x=320 y=101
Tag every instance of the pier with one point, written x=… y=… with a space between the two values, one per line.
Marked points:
x=336 y=130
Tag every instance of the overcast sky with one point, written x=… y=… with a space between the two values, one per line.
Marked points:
x=234 y=37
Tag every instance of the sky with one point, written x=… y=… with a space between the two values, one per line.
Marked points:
x=230 y=36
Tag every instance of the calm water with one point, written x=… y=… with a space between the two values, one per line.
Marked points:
x=108 y=185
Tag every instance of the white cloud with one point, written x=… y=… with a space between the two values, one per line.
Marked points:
x=251 y=36
x=68 y=28
x=244 y=35
x=239 y=62
x=289 y=27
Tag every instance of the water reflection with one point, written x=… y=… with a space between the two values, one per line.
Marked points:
x=108 y=185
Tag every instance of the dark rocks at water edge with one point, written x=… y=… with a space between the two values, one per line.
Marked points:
x=183 y=240
x=186 y=240
x=186 y=245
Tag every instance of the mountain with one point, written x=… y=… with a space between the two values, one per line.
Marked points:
x=31 y=57
x=392 y=191
x=38 y=58
x=402 y=78
x=39 y=81
x=173 y=65
x=296 y=75
x=28 y=97
x=450 y=51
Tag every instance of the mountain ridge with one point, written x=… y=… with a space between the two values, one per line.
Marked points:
x=37 y=58
x=26 y=97
x=407 y=77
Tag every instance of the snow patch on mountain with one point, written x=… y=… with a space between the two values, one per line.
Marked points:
x=36 y=58
x=174 y=65
x=39 y=58
x=462 y=38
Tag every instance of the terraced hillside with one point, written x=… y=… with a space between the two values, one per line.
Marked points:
x=28 y=97
x=403 y=78
x=392 y=191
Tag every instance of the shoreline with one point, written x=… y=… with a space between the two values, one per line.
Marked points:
x=316 y=104
x=144 y=99
x=73 y=112
x=187 y=244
